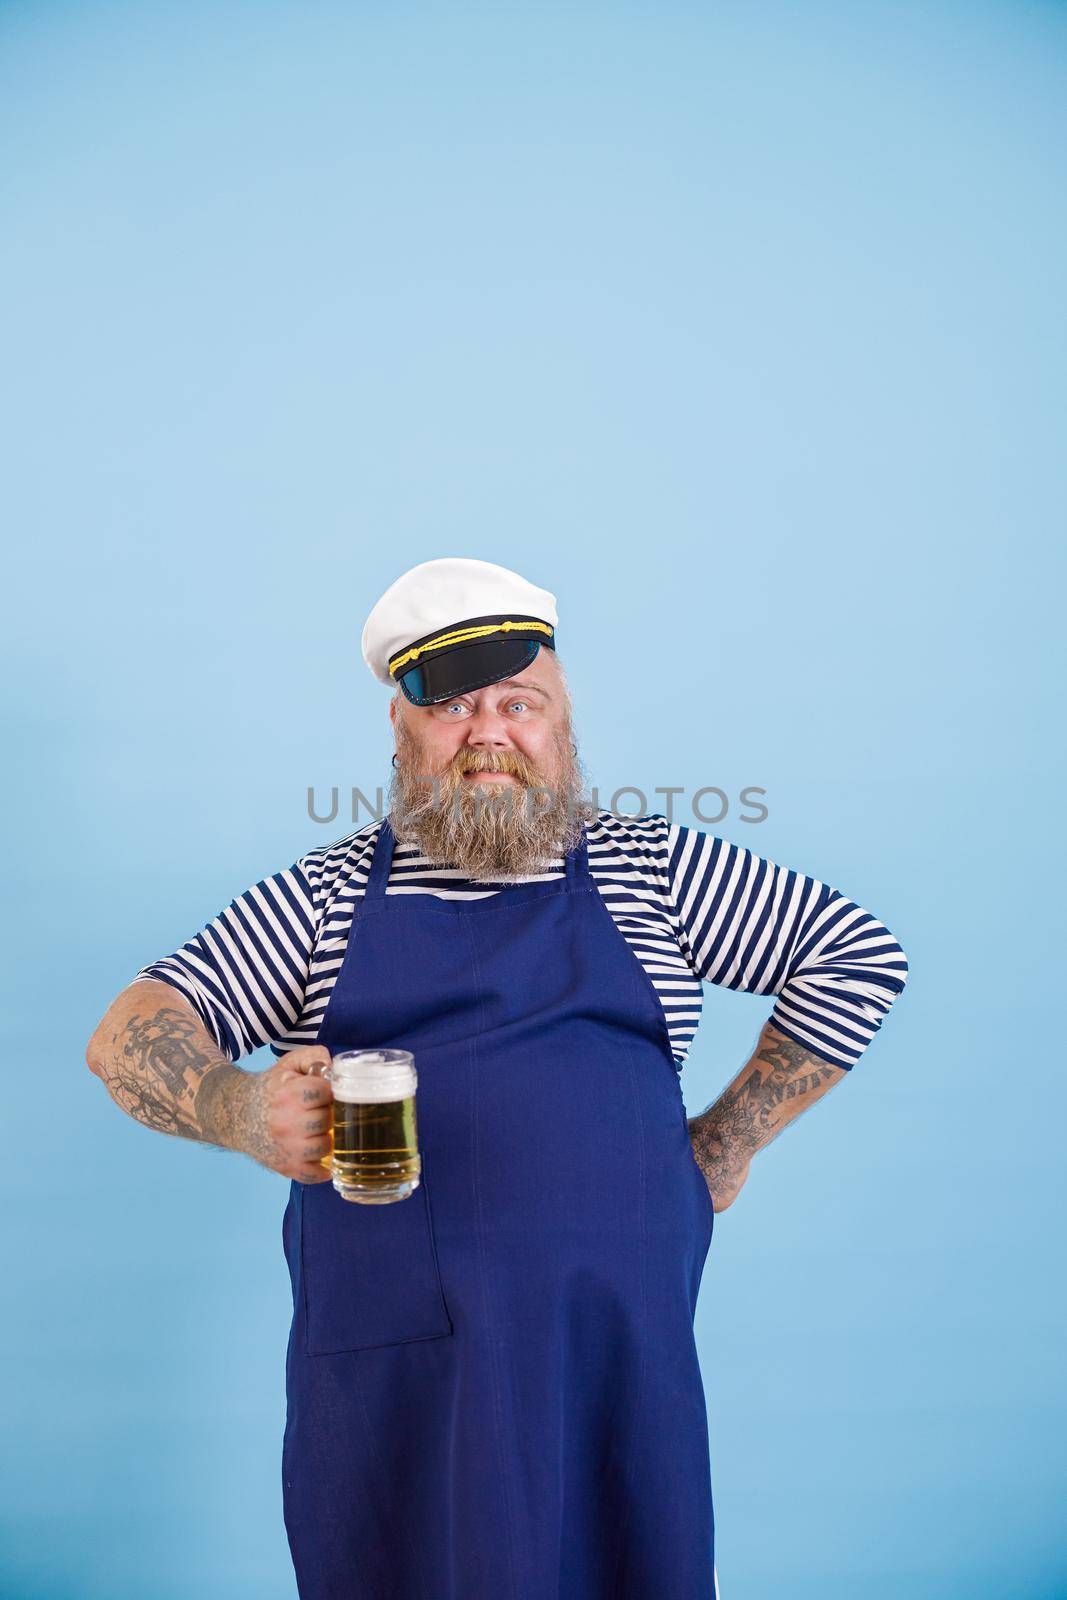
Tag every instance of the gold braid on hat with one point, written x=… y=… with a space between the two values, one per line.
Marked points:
x=467 y=635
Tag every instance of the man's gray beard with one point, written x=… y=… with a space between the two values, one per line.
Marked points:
x=496 y=831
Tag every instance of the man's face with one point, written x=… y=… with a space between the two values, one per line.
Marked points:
x=518 y=718
x=485 y=781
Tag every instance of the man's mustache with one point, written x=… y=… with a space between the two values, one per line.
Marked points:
x=477 y=761
x=491 y=761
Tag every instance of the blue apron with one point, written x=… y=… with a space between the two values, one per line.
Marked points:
x=493 y=1390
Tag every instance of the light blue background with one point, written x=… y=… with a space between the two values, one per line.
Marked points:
x=741 y=328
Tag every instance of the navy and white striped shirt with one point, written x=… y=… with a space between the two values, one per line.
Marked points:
x=694 y=907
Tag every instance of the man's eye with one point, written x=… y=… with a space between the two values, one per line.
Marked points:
x=455 y=705
x=515 y=703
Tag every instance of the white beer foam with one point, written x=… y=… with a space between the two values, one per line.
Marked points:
x=371 y=1076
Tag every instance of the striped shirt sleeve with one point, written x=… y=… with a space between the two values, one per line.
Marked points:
x=246 y=972
x=747 y=923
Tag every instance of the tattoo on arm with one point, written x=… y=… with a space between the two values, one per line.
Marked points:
x=158 y=1069
x=754 y=1109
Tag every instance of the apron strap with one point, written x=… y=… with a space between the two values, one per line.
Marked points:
x=381 y=861
x=578 y=860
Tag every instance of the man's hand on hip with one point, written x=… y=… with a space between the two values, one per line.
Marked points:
x=779 y=1081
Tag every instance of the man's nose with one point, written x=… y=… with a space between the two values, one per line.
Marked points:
x=488 y=730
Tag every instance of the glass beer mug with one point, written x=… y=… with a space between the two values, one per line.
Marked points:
x=374 y=1156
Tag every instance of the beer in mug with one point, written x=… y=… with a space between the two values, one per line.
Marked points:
x=374 y=1157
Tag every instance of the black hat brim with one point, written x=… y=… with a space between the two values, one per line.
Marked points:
x=470 y=666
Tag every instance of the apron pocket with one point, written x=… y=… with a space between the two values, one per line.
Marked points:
x=370 y=1272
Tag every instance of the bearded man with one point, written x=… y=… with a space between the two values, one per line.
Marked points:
x=493 y=1390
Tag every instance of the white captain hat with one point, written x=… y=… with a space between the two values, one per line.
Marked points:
x=448 y=626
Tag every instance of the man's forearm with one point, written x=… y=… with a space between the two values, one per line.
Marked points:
x=779 y=1081
x=160 y=1064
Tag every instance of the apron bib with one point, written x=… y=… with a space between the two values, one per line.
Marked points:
x=493 y=1390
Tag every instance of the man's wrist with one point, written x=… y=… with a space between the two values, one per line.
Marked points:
x=715 y=1128
x=222 y=1105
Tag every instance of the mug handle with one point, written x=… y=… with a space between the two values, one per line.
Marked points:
x=327 y=1160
